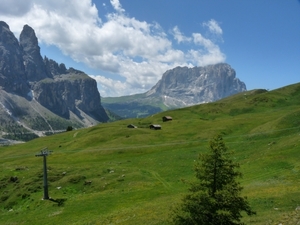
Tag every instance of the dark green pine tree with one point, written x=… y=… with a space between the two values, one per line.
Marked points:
x=214 y=199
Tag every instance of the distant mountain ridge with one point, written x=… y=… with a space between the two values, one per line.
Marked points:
x=39 y=95
x=180 y=87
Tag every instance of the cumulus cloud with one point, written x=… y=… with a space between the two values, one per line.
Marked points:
x=117 y=6
x=15 y=7
x=212 y=50
x=179 y=37
x=110 y=87
x=138 y=51
x=214 y=27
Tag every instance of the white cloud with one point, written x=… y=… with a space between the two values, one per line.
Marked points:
x=214 y=27
x=179 y=37
x=110 y=87
x=15 y=7
x=117 y=6
x=210 y=54
x=138 y=51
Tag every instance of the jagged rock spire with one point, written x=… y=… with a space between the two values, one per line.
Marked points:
x=34 y=65
x=12 y=71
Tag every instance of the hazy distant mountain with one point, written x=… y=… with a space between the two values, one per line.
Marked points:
x=39 y=96
x=179 y=87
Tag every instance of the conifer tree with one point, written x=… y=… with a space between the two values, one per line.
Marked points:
x=214 y=199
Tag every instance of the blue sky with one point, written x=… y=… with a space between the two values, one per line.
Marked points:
x=126 y=45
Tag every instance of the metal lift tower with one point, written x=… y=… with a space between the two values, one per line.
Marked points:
x=45 y=152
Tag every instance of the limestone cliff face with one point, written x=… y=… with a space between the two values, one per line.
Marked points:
x=73 y=92
x=183 y=86
x=12 y=70
x=68 y=93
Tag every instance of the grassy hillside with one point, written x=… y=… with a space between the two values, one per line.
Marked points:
x=111 y=174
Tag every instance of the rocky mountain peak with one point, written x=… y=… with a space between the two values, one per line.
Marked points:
x=6 y=34
x=29 y=41
x=12 y=71
x=33 y=61
x=3 y=24
x=183 y=86
x=32 y=87
x=54 y=68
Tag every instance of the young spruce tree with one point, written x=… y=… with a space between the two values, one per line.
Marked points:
x=215 y=198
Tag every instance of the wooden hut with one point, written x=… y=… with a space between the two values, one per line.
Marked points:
x=167 y=118
x=155 y=127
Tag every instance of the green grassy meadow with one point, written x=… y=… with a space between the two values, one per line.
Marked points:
x=110 y=174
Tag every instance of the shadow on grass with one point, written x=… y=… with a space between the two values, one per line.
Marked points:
x=59 y=201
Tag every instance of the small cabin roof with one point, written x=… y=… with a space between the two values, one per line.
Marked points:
x=155 y=125
x=131 y=126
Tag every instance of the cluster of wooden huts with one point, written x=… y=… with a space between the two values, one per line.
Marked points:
x=154 y=126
